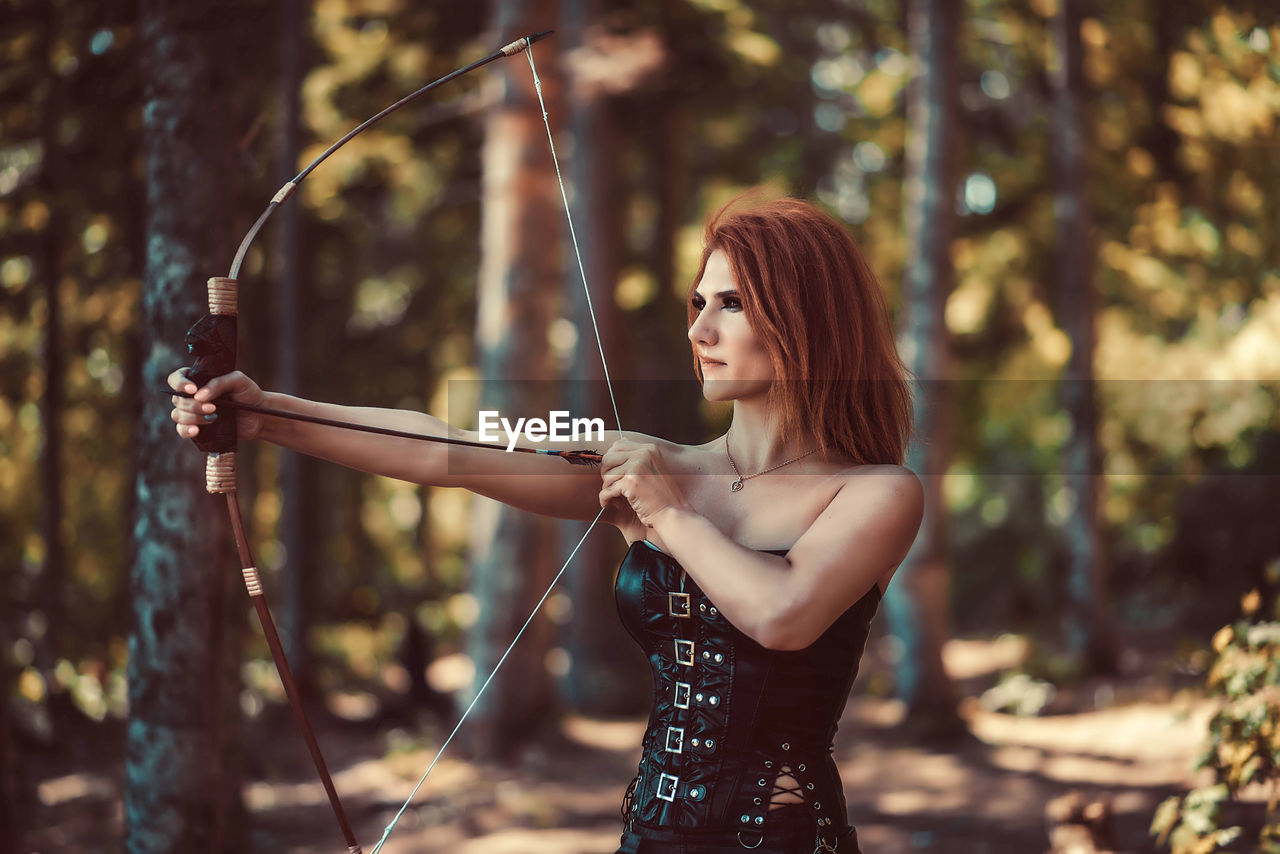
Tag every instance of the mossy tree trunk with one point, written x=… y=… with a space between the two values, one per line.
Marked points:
x=918 y=599
x=1089 y=630
x=178 y=780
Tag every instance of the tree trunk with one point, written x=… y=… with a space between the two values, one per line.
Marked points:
x=602 y=676
x=298 y=520
x=1089 y=631
x=511 y=551
x=15 y=797
x=667 y=399
x=52 y=402
x=918 y=600
x=183 y=560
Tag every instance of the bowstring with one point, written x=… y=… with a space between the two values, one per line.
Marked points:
x=573 y=234
x=480 y=693
x=582 y=271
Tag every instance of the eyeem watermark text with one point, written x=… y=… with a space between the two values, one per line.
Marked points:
x=557 y=427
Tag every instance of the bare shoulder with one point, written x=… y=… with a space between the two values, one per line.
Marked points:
x=880 y=508
x=891 y=492
x=889 y=477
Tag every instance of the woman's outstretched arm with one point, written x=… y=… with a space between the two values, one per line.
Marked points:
x=539 y=484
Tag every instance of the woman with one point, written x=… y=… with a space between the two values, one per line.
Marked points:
x=756 y=560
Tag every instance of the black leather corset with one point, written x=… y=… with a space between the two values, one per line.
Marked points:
x=729 y=716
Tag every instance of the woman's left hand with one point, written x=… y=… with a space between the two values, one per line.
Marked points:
x=635 y=472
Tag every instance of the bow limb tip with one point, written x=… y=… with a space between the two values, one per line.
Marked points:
x=521 y=45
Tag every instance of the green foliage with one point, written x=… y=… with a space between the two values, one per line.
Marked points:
x=70 y=226
x=1181 y=102
x=1243 y=748
x=1018 y=694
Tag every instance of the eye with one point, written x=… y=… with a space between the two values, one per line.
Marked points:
x=732 y=303
x=697 y=301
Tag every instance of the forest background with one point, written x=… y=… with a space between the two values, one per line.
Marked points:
x=1082 y=253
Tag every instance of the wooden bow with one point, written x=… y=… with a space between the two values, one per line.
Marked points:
x=212 y=341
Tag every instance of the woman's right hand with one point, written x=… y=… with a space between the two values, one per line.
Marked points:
x=191 y=412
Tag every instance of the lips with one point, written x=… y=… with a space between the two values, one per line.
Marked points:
x=710 y=363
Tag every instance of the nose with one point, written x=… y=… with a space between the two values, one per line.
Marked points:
x=702 y=331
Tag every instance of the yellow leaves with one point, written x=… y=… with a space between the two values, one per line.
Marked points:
x=381 y=301
x=1229 y=93
x=1253 y=352
x=1241 y=761
x=1187 y=121
x=376 y=7
x=95 y=235
x=409 y=62
x=1185 y=76
x=635 y=288
x=35 y=214
x=1163 y=216
x=1112 y=135
x=981 y=264
x=1162 y=284
x=1044 y=8
x=1243 y=195
x=1165 y=818
x=1099 y=60
x=31 y=685
x=15 y=272
x=408 y=172
x=318 y=111
x=1234 y=113
x=721 y=6
x=1093 y=33
x=449 y=513
x=967 y=305
x=1241 y=748
x=742 y=35
x=878 y=92
x=1049 y=342
x=755 y=47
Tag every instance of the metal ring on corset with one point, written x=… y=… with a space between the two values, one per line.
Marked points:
x=758 y=841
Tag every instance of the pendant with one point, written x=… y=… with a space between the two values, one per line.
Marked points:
x=736 y=486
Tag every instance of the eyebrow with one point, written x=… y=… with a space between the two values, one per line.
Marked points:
x=732 y=292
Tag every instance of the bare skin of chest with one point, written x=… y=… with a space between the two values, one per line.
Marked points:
x=764 y=515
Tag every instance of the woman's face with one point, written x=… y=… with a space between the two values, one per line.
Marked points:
x=735 y=364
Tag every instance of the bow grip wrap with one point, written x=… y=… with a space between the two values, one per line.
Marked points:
x=212 y=344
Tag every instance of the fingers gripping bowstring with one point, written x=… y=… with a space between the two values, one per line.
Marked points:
x=537 y=83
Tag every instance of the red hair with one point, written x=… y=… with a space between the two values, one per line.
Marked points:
x=821 y=314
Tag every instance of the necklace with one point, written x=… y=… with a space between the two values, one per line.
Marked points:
x=736 y=486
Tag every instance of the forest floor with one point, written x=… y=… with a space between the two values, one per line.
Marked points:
x=1130 y=740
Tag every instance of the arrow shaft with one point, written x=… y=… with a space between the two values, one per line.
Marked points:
x=575 y=456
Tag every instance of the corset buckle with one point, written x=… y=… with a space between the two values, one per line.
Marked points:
x=667 y=787
x=684 y=652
